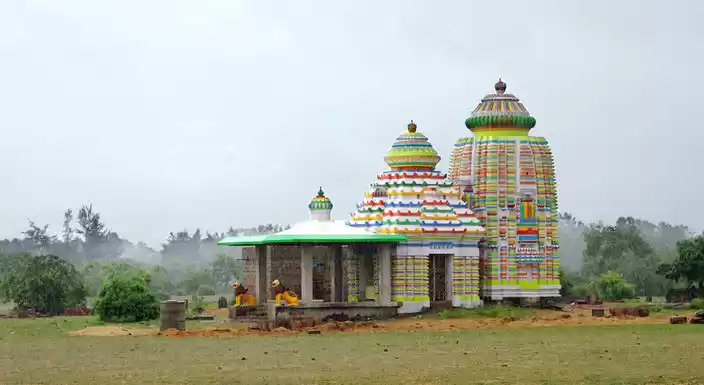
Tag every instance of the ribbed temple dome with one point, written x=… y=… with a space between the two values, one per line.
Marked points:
x=412 y=151
x=320 y=202
x=500 y=111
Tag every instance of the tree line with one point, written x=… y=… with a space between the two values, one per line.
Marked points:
x=632 y=257
x=187 y=263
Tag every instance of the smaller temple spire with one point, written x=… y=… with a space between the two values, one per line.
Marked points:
x=320 y=207
x=500 y=87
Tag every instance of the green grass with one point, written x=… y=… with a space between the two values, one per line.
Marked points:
x=497 y=311
x=40 y=351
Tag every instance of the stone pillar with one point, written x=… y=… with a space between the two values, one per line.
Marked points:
x=384 y=257
x=306 y=275
x=352 y=267
x=336 y=274
x=261 y=285
x=269 y=295
x=362 y=275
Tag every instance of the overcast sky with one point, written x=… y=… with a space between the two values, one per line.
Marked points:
x=182 y=114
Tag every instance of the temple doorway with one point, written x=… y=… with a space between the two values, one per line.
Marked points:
x=437 y=272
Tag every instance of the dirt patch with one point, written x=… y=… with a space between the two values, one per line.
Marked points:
x=348 y=327
x=113 y=331
x=223 y=332
x=541 y=318
x=223 y=313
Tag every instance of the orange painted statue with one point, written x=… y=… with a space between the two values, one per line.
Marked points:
x=241 y=295
x=282 y=292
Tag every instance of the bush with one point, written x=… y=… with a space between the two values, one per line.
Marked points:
x=612 y=286
x=45 y=284
x=127 y=298
x=206 y=290
x=697 y=303
x=196 y=304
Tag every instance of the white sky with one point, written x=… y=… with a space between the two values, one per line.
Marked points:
x=182 y=114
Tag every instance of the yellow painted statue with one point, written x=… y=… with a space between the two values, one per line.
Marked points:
x=281 y=292
x=241 y=295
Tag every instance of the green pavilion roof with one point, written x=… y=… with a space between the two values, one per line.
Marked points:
x=280 y=238
x=315 y=231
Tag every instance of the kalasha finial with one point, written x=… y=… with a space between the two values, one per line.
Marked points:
x=320 y=192
x=500 y=87
x=412 y=127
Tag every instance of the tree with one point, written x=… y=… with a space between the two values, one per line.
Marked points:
x=39 y=237
x=67 y=229
x=689 y=265
x=225 y=269
x=44 y=283
x=196 y=279
x=127 y=298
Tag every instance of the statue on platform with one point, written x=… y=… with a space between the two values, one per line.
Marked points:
x=282 y=292
x=241 y=295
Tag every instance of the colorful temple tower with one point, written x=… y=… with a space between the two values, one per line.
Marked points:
x=440 y=260
x=507 y=177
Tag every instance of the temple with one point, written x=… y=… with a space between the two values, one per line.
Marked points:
x=507 y=177
x=419 y=238
x=440 y=261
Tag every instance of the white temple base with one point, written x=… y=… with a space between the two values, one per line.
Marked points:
x=467 y=303
x=413 y=307
x=499 y=293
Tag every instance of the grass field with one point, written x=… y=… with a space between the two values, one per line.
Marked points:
x=41 y=351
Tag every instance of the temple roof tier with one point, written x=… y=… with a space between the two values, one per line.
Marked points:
x=500 y=111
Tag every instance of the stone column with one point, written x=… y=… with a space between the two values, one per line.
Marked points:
x=384 y=256
x=362 y=271
x=268 y=293
x=306 y=275
x=260 y=286
x=352 y=267
x=336 y=274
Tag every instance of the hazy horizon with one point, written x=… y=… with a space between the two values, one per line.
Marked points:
x=168 y=115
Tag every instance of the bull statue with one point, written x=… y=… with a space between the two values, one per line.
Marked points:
x=282 y=292
x=241 y=295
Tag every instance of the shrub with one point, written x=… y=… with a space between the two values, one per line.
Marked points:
x=697 y=303
x=197 y=304
x=206 y=290
x=45 y=284
x=612 y=286
x=127 y=298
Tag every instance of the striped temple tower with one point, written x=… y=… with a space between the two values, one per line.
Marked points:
x=440 y=261
x=507 y=177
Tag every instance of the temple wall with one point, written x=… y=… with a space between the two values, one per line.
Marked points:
x=286 y=267
x=250 y=267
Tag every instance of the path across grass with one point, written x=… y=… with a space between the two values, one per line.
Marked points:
x=41 y=351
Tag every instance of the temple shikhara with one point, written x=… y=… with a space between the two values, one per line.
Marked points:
x=420 y=238
x=507 y=178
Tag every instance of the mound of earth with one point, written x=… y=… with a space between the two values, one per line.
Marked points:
x=223 y=332
x=112 y=331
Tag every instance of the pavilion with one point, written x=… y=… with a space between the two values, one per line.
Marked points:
x=327 y=263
